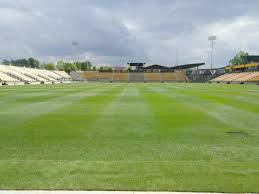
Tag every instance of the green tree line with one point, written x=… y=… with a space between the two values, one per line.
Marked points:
x=61 y=65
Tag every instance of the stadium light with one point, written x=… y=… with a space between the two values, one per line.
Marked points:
x=212 y=39
x=177 y=57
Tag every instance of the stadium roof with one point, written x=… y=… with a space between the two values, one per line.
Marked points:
x=188 y=66
x=251 y=58
x=156 y=67
x=161 y=67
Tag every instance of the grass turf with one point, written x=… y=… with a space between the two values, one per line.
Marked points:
x=96 y=136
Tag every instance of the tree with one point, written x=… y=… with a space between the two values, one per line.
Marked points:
x=70 y=67
x=110 y=69
x=61 y=65
x=86 y=65
x=239 y=58
x=6 y=62
x=20 y=62
x=31 y=62
x=78 y=65
x=49 y=66
x=105 y=69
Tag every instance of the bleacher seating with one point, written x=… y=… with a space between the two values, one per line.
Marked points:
x=177 y=76
x=34 y=74
x=168 y=76
x=47 y=76
x=203 y=75
x=248 y=77
x=180 y=76
x=120 y=77
x=105 y=76
x=234 y=77
x=223 y=77
x=76 y=76
x=41 y=74
x=6 y=79
x=21 y=75
x=14 y=74
x=89 y=75
x=136 y=77
x=64 y=75
x=237 y=77
x=255 y=78
x=20 y=70
x=152 y=77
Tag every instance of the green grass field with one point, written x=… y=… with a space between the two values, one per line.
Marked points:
x=102 y=136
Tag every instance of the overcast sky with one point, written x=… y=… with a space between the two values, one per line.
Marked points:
x=117 y=31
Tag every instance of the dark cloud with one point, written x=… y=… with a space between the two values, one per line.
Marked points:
x=114 y=32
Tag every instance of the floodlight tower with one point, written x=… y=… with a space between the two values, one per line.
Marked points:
x=212 y=39
x=177 y=57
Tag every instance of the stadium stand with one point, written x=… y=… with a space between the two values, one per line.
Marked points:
x=40 y=73
x=120 y=77
x=21 y=75
x=105 y=76
x=7 y=80
x=177 y=76
x=180 y=76
x=23 y=71
x=152 y=77
x=244 y=77
x=235 y=76
x=34 y=74
x=253 y=76
x=168 y=76
x=204 y=75
x=63 y=74
x=222 y=77
x=76 y=76
x=53 y=76
x=14 y=74
x=136 y=77
x=255 y=79
x=89 y=75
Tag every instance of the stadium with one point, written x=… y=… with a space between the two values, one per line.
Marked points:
x=129 y=97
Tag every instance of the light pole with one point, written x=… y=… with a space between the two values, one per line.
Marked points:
x=212 y=39
x=177 y=57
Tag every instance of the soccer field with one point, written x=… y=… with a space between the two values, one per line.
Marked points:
x=120 y=136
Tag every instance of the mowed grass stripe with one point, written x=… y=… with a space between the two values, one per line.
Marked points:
x=49 y=122
x=36 y=94
x=206 y=129
x=232 y=95
x=231 y=114
x=118 y=126
x=132 y=137
x=23 y=109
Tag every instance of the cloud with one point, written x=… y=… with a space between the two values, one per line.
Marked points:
x=114 y=32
